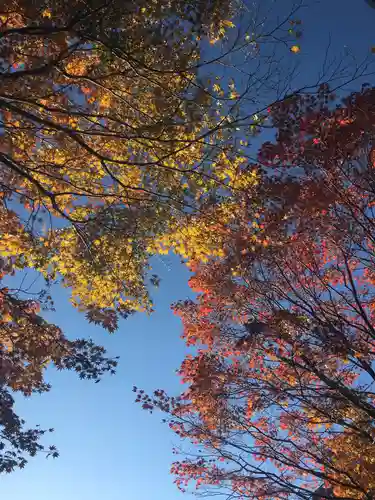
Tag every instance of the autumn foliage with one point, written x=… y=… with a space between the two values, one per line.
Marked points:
x=98 y=132
x=119 y=140
x=280 y=398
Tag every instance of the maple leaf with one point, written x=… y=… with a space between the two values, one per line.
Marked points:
x=228 y=24
x=47 y=13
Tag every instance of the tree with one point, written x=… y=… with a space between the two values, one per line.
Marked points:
x=28 y=345
x=111 y=133
x=96 y=117
x=121 y=139
x=114 y=129
x=280 y=396
x=98 y=128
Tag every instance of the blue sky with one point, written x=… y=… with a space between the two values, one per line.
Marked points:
x=110 y=449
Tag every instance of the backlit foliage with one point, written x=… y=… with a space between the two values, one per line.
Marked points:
x=280 y=397
x=98 y=130
x=121 y=138
x=118 y=130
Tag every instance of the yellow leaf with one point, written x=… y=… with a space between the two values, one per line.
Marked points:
x=47 y=13
x=295 y=49
x=228 y=24
x=6 y=317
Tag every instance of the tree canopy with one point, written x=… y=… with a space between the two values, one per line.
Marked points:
x=280 y=396
x=98 y=130
x=119 y=140
x=115 y=129
x=126 y=132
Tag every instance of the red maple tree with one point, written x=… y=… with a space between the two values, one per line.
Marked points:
x=280 y=398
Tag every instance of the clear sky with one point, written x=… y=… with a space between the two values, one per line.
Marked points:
x=110 y=449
